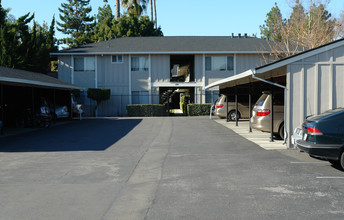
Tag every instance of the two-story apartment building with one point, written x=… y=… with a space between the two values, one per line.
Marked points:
x=144 y=70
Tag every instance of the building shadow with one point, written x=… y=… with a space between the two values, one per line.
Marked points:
x=85 y=135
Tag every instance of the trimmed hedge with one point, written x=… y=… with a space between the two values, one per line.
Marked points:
x=146 y=110
x=199 y=109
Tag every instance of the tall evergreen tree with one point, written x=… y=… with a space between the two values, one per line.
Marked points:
x=103 y=29
x=131 y=26
x=76 y=22
x=25 y=47
x=118 y=8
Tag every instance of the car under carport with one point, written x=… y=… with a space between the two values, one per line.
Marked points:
x=313 y=83
x=21 y=90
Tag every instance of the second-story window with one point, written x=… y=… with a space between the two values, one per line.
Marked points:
x=219 y=63
x=139 y=63
x=117 y=59
x=84 y=64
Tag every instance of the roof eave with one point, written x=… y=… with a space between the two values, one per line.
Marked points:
x=247 y=73
x=158 y=53
x=38 y=83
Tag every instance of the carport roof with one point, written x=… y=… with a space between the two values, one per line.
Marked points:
x=246 y=76
x=17 y=76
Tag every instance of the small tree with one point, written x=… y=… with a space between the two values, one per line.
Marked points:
x=98 y=95
x=307 y=27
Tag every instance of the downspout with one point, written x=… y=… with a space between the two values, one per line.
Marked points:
x=285 y=100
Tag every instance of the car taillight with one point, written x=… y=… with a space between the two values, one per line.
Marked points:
x=313 y=131
x=263 y=112
x=219 y=106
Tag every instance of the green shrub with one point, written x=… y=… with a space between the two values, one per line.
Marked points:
x=199 y=109
x=146 y=110
x=98 y=95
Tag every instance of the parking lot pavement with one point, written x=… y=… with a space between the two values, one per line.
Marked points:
x=160 y=168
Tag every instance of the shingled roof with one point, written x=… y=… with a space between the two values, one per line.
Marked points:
x=17 y=76
x=170 y=45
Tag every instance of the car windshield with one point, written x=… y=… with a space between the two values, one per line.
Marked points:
x=261 y=100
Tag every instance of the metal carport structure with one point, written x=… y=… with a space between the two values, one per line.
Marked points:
x=314 y=82
x=20 y=89
x=254 y=82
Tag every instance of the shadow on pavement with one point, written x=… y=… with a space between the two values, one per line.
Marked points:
x=85 y=135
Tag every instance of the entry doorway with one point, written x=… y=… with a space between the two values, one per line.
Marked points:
x=176 y=98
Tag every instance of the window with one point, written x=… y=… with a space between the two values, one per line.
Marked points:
x=211 y=96
x=117 y=59
x=84 y=64
x=139 y=63
x=219 y=63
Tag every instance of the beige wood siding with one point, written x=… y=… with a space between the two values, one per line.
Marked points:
x=114 y=76
x=247 y=61
x=160 y=68
x=65 y=69
x=314 y=84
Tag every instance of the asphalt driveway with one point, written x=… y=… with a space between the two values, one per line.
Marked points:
x=160 y=168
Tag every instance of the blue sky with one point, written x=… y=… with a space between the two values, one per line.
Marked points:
x=182 y=17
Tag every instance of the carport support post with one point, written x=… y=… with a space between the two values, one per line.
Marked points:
x=249 y=107
x=236 y=106
x=272 y=117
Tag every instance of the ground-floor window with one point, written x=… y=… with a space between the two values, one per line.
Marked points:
x=211 y=96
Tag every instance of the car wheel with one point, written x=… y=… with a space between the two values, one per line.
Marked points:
x=341 y=160
x=232 y=115
x=281 y=131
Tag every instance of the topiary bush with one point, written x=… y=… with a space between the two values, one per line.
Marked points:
x=146 y=110
x=198 y=109
x=98 y=95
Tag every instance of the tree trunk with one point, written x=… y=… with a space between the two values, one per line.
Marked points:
x=156 y=18
x=118 y=9
x=151 y=9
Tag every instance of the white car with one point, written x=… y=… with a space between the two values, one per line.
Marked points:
x=297 y=135
x=77 y=109
x=60 y=112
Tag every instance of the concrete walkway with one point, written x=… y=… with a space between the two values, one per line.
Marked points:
x=258 y=137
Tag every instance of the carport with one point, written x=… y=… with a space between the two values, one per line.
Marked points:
x=249 y=85
x=313 y=82
x=21 y=90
